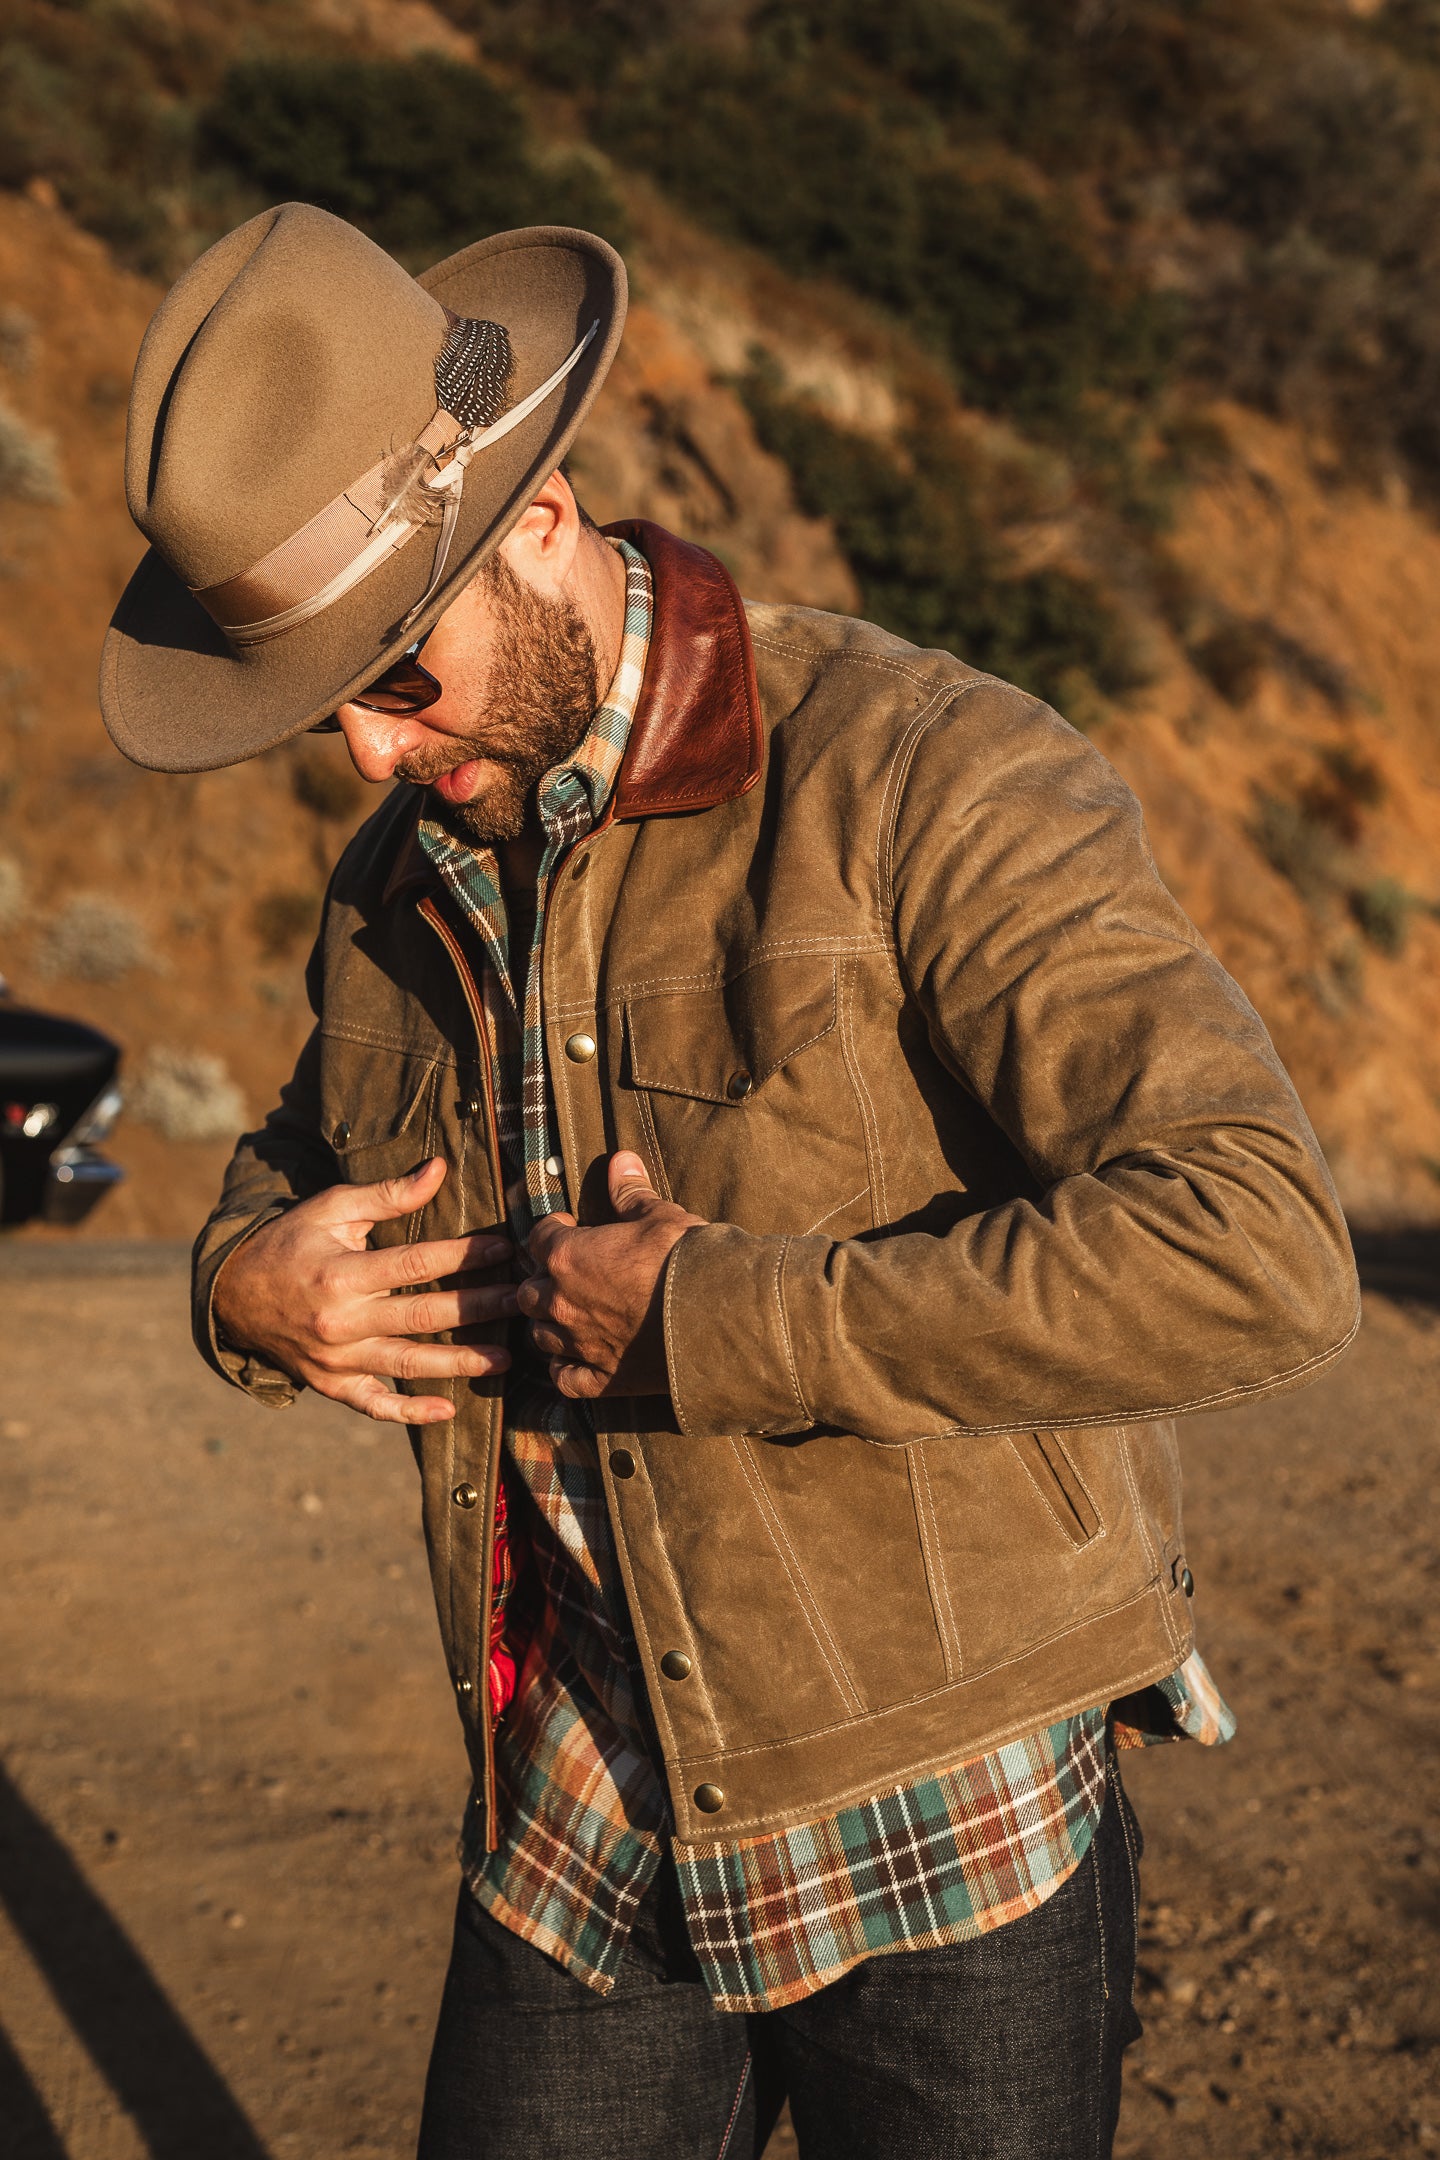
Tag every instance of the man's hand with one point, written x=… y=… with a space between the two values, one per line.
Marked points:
x=305 y=1293
x=594 y=1301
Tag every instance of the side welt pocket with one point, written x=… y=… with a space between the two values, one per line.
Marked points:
x=1060 y=1485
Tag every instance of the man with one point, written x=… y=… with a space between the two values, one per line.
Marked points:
x=776 y=1144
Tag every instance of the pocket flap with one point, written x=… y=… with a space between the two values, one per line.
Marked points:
x=370 y=1097
x=722 y=1045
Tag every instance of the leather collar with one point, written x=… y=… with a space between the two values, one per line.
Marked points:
x=696 y=739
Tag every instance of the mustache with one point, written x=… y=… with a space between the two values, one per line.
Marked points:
x=423 y=766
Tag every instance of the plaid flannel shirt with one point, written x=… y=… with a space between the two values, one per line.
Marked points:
x=583 y=1820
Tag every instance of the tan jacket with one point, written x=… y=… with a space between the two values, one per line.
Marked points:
x=871 y=964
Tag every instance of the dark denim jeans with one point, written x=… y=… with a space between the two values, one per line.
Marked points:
x=1005 y=2048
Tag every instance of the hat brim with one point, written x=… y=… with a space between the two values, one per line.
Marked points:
x=176 y=696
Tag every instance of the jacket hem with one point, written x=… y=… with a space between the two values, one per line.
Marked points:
x=771 y=1787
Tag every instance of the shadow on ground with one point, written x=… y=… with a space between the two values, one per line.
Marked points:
x=116 y=2008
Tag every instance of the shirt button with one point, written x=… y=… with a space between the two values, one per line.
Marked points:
x=580 y=1049
x=465 y=1496
x=709 y=1799
x=622 y=1463
x=738 y=1086
x=675 y=1665
x=341 y=1136
x=554 y=1167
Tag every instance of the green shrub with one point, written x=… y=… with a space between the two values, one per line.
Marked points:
x=1347 y=785
x=966 y=53
x=424 y=155
x=1302 y=847
x=578 y=45
x=1383 y=910
x=927 y=568
x=996 y=274
x=83 y=105
x=1231 y=657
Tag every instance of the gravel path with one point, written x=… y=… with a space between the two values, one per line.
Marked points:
x=230 y=1779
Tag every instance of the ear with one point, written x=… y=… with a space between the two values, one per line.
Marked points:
x=540 y=546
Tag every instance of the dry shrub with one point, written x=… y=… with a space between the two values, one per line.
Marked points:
x=93 y=939
x=12 y=892
x=1301 y=846
x=17 y=340
x=323 y=784
x=28 y=468
x=187 y=1095
x=281 y=918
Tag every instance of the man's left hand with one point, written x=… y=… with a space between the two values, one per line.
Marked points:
x=594 y=1302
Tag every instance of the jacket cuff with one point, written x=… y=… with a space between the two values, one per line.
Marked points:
x=727 y=1340
x=265 y=1383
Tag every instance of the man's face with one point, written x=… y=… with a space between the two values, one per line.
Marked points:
x=519 y=691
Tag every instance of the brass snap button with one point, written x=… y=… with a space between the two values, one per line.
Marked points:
x=709 y=1799
x=580 y=1049
x=622 y=1463
x=463 y=1686
x=465 y=1496
x=675 y=1665
x=738 y=1086
x=472 y=1105
x=341 y=1136
x=1187 y=1582
x=582 y=864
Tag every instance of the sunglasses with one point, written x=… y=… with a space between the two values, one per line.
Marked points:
x=401 y=689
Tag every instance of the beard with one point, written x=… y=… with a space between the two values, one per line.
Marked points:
x=541 y=696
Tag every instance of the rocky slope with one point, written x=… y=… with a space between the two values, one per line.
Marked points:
x=1294 y=809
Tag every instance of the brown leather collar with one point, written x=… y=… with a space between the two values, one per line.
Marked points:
x=696 y=739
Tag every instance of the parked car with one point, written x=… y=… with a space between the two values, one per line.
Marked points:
x=58 y=1100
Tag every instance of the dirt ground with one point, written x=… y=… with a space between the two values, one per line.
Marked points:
x=230 y=1780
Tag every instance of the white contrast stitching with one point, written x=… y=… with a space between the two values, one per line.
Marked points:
x=934 y=1558
x=780 y=1260
x=799 y=1582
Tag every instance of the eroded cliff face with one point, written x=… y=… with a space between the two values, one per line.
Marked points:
x=1296 y=816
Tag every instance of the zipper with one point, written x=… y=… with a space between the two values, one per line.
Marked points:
x=481 y=1683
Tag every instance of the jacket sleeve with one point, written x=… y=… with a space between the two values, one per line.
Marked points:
x=285 y=1161
x=1187 y=1247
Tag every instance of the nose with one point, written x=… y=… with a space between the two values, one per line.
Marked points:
x=377 y=741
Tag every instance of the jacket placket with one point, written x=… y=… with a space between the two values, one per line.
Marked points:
x=473 y=1689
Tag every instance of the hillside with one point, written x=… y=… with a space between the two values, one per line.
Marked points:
x=1242 y=618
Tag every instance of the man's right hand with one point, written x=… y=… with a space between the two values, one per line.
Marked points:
x=305 y=1293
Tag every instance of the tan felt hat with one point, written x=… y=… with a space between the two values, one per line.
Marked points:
x=321 y=451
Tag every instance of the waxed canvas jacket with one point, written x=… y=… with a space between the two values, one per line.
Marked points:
x=871 y=964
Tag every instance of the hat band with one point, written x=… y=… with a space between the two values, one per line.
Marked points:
x=366 y=524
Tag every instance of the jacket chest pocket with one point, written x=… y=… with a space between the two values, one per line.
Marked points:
x=378 y=1113
x=748 y=1100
